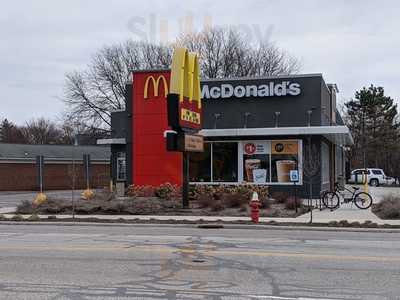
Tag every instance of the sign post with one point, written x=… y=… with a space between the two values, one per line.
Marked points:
x=39 y=166
x=86 y=164
x=294 y=177
x=88 y=193
x=40 y=197
x=184 y=111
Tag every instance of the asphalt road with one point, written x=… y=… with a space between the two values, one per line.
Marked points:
x=150 y=262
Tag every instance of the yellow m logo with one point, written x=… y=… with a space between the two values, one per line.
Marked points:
x=156 y=84
x=185 y=75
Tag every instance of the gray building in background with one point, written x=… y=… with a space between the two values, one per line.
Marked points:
x=257 y=130
x=18 y=169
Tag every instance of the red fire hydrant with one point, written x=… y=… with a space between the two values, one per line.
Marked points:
x=255 y=205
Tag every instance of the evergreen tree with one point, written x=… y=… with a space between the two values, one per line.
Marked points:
x=10 y=133
x=371 y=117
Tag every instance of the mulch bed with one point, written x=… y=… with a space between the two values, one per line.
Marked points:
x=148 y=206
x=388 y=208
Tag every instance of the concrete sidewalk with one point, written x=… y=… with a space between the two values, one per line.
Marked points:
x=7 y=210
x=12 y=198
x=324 y=216
x=346 y=212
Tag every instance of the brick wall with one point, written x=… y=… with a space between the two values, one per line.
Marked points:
x=21 y=176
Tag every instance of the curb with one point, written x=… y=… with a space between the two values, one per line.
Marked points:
x=222 y=226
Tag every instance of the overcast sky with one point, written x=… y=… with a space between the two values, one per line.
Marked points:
x=353 y=43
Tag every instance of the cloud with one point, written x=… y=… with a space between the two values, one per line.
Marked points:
x=353 y=43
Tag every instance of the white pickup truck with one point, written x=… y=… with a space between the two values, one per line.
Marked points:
x=375 y=177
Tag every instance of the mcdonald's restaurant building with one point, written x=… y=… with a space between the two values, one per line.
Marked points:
x=256 y=129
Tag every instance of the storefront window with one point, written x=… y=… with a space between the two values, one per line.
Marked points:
x=256 y=161
x=121 y=166
x=200 y=165
x=225 y=162
x=284 y=158
x=325 y=163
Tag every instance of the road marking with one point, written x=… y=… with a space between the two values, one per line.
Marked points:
x=285 y=298
x=211 y=252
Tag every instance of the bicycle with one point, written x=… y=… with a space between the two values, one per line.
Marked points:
x=362 y=200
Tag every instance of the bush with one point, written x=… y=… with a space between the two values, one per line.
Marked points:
x=168 y=191
x=217 y=192
x=199 y=191
x=217 y=205
x=388 y=208
x=141 y=191
x=234 y=200
x=205 y=201
x=25 y=207
x=355 y=224
x=290 y=203
x=343 y=223
x=262 y=191
x=280 y=197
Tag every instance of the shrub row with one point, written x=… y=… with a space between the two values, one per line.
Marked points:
x=219 y=197
x=166 y=191
x=388 y=208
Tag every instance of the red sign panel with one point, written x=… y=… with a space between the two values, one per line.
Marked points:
x=152 y=164
x=249 y=148
x=189 y=114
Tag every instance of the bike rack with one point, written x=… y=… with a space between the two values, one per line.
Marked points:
x=321 y=205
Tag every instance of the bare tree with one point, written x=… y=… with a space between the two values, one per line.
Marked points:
x=91 y=94
x=41 y=131
x=225 y=52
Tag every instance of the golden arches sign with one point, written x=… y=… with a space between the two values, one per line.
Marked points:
x=156 y=83
x=185 y=76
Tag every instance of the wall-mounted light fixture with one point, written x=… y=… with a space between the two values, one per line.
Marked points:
x=309 y=113
x=216 y=117
x=277 y=113
x=246 y=117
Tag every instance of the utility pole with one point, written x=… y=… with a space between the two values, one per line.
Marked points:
x=73 y=175
x=363 y=139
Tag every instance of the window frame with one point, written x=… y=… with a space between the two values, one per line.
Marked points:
x=377 y=172
x=240 y=144
x=212 y=162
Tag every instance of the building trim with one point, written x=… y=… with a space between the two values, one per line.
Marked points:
x=260 y=77
x=336 y=134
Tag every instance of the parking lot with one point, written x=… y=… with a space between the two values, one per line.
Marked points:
x=12 y=199
x=378 y=193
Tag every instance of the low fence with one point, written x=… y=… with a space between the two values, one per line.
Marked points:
x=56 y=176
